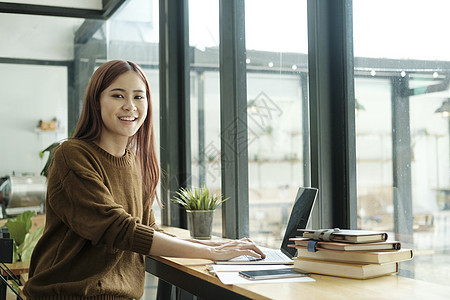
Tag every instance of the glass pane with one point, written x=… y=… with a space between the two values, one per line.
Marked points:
x=401 y=84
x=276 y=42
x=205 y=99
x=133 y=34
x=36 y=55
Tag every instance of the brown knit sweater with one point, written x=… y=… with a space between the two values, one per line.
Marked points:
x=96 y=231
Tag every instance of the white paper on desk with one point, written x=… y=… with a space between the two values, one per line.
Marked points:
x=229 y=274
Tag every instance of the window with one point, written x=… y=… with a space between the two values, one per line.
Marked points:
x=277 y=113
x=401 y=81
x=205 y=99
x=34 y=57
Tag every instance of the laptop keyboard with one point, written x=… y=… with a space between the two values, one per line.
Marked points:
x=270 y=256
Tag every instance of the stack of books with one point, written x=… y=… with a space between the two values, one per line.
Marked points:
x=357 y=254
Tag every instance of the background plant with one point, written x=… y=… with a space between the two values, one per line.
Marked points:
x=24 y=241
x=50 y=149
x=198 y=198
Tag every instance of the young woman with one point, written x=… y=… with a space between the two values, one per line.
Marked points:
x=101 y=186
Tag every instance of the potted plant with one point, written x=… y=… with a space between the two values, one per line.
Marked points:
x=200 y=204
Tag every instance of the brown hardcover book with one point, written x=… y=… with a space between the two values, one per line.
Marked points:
x=365 y=257
x=345 y=235
x=380 y=246
x=357 y=271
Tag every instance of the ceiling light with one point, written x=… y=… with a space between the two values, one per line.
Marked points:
x=444 y=110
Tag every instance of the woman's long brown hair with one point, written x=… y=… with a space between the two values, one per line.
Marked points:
x=90 y=124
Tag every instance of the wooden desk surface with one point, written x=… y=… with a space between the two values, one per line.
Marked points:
x=18 y=268
x=325 y=287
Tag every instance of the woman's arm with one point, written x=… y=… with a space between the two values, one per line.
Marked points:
x=164 y=245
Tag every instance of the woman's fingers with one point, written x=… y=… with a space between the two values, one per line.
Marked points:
x=246 y=239
x=236 y=248
x=255 y=251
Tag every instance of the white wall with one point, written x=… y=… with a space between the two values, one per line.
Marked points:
x=37 y=37
x=29 y=93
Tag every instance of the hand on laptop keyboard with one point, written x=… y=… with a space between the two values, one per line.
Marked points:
x=251 y=258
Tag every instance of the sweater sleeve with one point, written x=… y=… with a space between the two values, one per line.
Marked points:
x=78 y=195
x=150 y=220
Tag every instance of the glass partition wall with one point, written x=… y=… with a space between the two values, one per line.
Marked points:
x=277 y=109
x=35 y=69
x=277 y=113
x=205 y=100
x=402 y=81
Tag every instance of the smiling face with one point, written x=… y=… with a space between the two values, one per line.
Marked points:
x=123 y=107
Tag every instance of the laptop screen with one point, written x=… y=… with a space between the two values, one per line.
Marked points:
x=304 y=202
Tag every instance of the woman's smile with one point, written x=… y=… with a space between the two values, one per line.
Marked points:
x=128 y=119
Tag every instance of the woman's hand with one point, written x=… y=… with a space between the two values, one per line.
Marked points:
x=229 y=249
x=164 y=245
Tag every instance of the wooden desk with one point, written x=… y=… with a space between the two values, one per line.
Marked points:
x=192 y=276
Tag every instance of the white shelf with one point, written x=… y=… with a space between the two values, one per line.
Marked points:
x=56 y=131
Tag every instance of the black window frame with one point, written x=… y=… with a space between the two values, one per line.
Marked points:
x=331 y=105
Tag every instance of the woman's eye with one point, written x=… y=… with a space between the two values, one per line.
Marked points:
x=117 y=96
x=139 y=97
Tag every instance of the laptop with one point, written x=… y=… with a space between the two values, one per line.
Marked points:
x=301 y=211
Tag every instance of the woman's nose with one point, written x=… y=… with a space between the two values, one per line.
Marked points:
x=129 y=105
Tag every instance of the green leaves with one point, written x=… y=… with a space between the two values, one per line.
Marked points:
x=26 y=248
x=51 y=152
x=24 y=241
x=198 y=199
x=19 y=226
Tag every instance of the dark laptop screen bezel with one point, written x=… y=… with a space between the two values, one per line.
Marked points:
x=301 y=211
